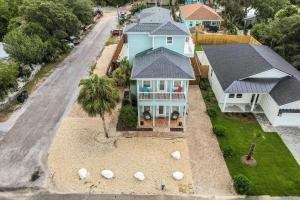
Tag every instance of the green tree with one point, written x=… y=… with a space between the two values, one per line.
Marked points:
x=287 y=11
x=266 y=9
x=81 y=8
x=282 y=35
x=58 y=20
x=257 y=138
x=4 y=18
x=233 y=13
x=121 y=75
x=25 y=49
x=8 y=77
x=97 y=97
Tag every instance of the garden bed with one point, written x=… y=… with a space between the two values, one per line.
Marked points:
x=276 y=173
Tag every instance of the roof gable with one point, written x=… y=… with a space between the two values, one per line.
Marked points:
x=161 y=63
x=171 y=28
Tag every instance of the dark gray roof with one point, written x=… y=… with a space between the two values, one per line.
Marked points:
x=161 y=63
x=172 y=28
x=166 y=28
x=252 y=86
x=234 y=63
x=154 y=15
x=286 y=91
x=144 y=28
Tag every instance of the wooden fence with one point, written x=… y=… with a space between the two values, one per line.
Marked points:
x=223 y=39
x=116 y=53
x=196 y=67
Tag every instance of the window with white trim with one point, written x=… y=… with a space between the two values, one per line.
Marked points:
x=191 y=23
x=231 y=96
x=147 y=108
x=175 y=108
x=176 y=84
x=169 y=40
x=239 y=96
x=147 y=84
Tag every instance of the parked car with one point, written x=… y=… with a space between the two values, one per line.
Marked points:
x=22 y=96
x=213 y=29
x=117 y=32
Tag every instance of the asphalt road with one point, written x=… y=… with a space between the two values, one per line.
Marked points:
x=23 y=149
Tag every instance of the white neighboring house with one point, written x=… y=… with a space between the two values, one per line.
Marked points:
x=3 y=54
x=253 y=78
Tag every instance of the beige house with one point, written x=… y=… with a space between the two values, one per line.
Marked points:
x=161 y=2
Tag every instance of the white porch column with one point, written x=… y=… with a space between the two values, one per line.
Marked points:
x=153 y=116
x=169 y=122
x=184 y=118
x=253 y=103
x=224 y=103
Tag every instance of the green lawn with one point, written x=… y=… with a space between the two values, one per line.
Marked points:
x=277 y=173
x=198 y=47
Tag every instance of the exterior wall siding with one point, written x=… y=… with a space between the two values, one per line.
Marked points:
x=138 y=43
x=216 y=86
x=177 y=46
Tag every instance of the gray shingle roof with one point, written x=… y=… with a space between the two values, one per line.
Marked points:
x=167 y=28
x=144 y=28
x=154 y=15
x=286 y=91
x=172 y=28
x=252 y=86
x=232 y=65
x=161 y=63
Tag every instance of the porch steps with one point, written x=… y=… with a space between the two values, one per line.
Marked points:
x=158 y=134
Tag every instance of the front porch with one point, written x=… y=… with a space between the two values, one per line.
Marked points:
x=241 y=107
x=162 y=118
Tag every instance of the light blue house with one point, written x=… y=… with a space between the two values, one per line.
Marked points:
x=159 y=50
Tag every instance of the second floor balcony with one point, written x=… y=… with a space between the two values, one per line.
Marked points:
x=162 y=96
x=189 y=47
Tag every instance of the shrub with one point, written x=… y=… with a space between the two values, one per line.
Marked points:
x=128 y=117
x=8 y=78
x=126 y=102
x=204 y=84
x=219 y=131
x=227 y=153
x=212 y=112
x=241 y=184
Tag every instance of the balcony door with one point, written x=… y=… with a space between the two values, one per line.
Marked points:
x=161 y=86
x=161 y=111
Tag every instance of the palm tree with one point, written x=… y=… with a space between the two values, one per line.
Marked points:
x=98 y=96
x=257 y=138
x=121 y=75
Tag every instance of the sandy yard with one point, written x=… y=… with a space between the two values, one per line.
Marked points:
x=104 y=60
x=75 y=147
x=210 y=173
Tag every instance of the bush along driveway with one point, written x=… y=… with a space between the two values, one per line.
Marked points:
x=276 y=173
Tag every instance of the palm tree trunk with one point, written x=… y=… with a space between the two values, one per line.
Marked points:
x=251 y=151
x=104 y=126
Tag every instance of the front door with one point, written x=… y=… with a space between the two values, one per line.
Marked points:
x=161 y=111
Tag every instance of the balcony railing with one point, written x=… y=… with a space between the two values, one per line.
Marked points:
x=189 y=48
x=176 y=96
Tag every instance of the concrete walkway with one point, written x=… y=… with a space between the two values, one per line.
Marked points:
x=289 y=135
x=291 y=138
x=210 y=173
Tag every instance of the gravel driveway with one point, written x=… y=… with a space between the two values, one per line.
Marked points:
x=209 y=170
x=24 y=148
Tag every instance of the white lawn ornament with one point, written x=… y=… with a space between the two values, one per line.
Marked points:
x=139 y=176
x=108 y=174
x=83 y=174
x=176 y=155
x=178 y=175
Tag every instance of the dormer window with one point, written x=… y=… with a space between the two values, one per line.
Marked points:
x=169 y=40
